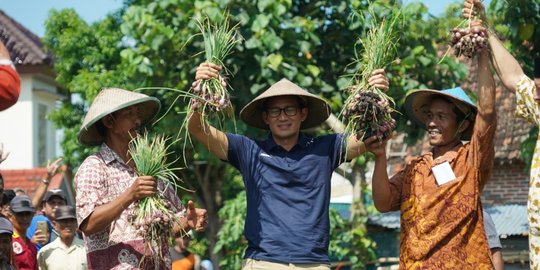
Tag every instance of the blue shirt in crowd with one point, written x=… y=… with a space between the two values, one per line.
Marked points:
x=288 y=196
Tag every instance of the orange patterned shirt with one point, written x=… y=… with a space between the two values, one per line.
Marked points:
x=442 y=226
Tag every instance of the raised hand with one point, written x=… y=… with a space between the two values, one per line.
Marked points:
x=3 y=155
x=376 y=145
x=207 y=71
x=53 y=168
x=473 y=8
x=197 y=218
x=379 y=80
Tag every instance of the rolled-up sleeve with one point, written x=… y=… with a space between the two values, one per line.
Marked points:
x=527 y=108
x=396 y=184
x=10 y=86
x=90 y=186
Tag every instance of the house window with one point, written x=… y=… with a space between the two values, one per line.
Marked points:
x=42 y=128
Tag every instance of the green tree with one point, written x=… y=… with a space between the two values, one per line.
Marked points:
x=517 y=23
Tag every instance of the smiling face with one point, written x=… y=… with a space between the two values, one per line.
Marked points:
x=442 y=124
x=284 y=116
x=124 y=124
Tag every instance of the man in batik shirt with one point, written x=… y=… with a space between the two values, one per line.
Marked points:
x=527 y=97
x=108 y=185
x=438 y=193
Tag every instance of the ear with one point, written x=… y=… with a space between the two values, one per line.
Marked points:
x=304 y=113
x=463 y=126
x=108 y=121
x=264 y=117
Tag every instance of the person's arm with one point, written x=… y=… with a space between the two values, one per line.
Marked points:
x=213 y=139
x=498 y=262
x=356 y=147
x=52 y=170
x=10 y=82
x=486 y=93
x=380 y=183
x=507 y=67
x=102 y=216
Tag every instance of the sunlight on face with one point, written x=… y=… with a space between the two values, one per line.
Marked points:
x=284 y=116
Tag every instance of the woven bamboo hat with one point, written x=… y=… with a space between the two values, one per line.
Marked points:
x=417 y=102
x=319 y=110
x=111 y=100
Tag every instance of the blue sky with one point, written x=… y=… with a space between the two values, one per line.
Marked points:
x=92 y=10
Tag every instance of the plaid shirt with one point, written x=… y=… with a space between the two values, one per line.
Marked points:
x=101 y=178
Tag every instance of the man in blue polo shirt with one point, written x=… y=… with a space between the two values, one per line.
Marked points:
x=287 y=176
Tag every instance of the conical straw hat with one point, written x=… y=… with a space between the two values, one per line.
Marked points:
x=417 y=100
x=319 y=110
x=111 y=100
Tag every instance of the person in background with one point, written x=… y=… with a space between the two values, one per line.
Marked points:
x=6 y=233
x=494 y=242
x=10 y=82
x=67 y=251
x=7 y=196
x=207 y=265
x=19 y=191
x=181 y=257
x=24 y=250
x=528 y=107
x=51 y=201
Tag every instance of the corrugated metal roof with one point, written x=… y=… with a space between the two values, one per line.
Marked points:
x=388 y=220
x=509 y=219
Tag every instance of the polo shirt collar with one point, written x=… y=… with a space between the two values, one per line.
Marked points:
x=303 y=141
x=448 y=156
x=109 y=155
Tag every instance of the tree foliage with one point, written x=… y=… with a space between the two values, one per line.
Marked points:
x=517 y=23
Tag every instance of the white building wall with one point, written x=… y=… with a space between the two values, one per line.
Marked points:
x=16 y=134
x=19 y=135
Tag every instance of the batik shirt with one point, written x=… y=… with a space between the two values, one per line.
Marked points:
x=101 y=178
x=529 y=109
x=442 y=225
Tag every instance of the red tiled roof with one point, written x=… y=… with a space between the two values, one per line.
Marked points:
x=24 y=46
x=29 y=179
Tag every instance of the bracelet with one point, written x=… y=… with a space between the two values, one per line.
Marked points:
x=45 y=181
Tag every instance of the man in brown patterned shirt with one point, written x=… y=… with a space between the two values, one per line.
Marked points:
x=438 y=193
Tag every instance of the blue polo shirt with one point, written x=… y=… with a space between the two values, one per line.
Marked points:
x=288 y=196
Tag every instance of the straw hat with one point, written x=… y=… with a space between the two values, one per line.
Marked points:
x=417 y=100
x=319 y=110
x=111 y=100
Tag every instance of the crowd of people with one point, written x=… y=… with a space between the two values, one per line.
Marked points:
x=286 y=177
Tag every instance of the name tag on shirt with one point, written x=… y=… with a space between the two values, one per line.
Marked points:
x=443 y=173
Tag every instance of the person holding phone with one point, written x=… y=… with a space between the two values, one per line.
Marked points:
x=41 y=229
